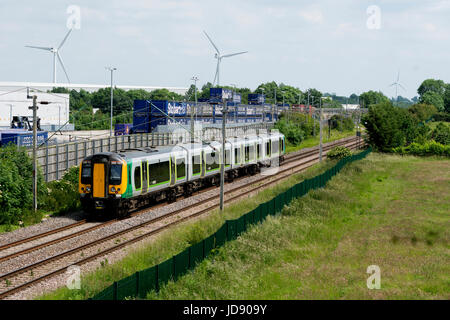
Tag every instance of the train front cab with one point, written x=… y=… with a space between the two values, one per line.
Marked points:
x=102 y=182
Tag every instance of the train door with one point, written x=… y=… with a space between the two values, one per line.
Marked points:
x=99 y=180
x=203 y=163
x=144 y=176
x=173 y=170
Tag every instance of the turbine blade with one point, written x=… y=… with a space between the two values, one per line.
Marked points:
x=217 y=72
x=41 y=48
x=212 y=42
x=393 y=84
x=402 y=87
x=233 y=54
x=65 y=38
x=62 y=65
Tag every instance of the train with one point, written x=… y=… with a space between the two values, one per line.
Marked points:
x=113 y=184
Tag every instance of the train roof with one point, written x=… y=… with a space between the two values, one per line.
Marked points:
x=149 y=151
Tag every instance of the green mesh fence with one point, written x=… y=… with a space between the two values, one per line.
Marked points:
x=153 y=278
x=196 y=253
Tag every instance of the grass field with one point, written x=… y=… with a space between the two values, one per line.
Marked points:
x=314 y=141
x=388 y=211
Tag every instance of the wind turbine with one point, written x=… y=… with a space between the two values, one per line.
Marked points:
x=219 y=57
x=56 y=54
x=397 y=84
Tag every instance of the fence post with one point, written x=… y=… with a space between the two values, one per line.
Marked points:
x=57 y=160
x=46 y=163
x=115 y=287
x=67 y=156
x=137 y=284
x=76 y=153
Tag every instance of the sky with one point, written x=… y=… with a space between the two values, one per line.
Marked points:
x=342 y=47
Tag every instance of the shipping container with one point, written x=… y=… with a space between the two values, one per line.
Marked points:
x=22 y=138
x=256 y=98
x=217 y=95
x=121 y=129
x=141 y=116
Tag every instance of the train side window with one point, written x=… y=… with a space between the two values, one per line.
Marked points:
x=181 y=169
x=137 y=178
x=227 y=158
x=196 y=165
x=159 y=173
x=237 y=155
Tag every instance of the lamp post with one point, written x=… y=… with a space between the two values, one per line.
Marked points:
x=236 y=107
x=111 y=69
x=222 y=167
x=195 y=79
x=320 y=125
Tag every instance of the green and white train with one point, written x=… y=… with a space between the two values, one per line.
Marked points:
x=115 y=183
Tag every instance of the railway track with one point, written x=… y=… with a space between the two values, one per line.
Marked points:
x=24 y=277
x=289 y=158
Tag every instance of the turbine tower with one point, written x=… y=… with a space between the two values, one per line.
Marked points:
x=397 y=84
x=56 y=54
x=219 y=57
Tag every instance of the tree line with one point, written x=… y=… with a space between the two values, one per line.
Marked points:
x=82 y=103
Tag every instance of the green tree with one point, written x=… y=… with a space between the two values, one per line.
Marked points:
x=389 y=127
x=433 y=98
x=422 y=112
x=431 y=85
x=370 y=98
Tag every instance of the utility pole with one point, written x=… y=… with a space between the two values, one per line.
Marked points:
x=34 y=108
x=320 y=144
x=195 y=79
x=111 y=69
x=222 y=168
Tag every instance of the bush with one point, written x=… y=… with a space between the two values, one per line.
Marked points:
x=427 y=149
x=63 y=195
x=390 y=127
x=16 y=183
x=422 y=112
x=442 y=116
x=341 y=123
x=339 y=153
x=292 y=131
x=441 y=134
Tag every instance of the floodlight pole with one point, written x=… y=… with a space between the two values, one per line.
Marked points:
x=195 y=79
x=111 y=69
x=34 y=108
x=222 y=167
x=320 y=125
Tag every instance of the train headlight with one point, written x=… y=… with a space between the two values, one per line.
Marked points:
x=113 y=189
x=88 y=189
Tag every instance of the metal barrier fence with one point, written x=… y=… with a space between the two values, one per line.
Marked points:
x=138 y=284
x=56 y=159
